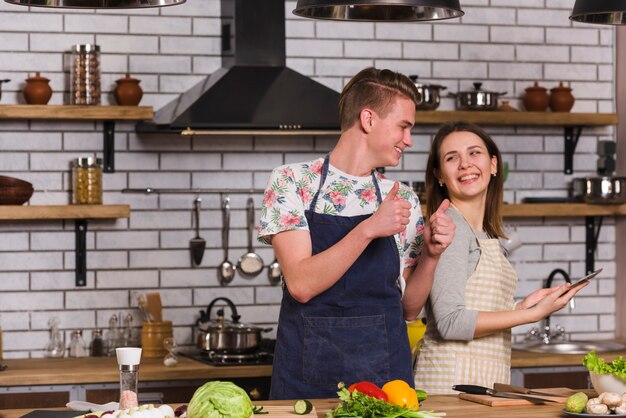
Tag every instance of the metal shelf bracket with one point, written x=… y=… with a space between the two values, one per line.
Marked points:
x=81 y=252
x=591 y=240
x=108 y=147
x=572 y=135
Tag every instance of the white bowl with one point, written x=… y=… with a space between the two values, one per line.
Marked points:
x=607 y=383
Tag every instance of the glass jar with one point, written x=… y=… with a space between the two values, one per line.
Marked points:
x=78 y=348
x=96 y=348
x=85 y=75
x=87 y=181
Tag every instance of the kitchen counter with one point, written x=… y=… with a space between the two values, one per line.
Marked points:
x=521 y=359
x=450 y=404
x=28 y=372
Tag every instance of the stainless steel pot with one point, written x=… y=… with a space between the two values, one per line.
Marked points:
x=429 y=94
x=477 y=99
x=600 y=190
x=227 y=337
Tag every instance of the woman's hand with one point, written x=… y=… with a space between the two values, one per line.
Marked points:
x=439 y=230
x=532 y=299
x=555 y=301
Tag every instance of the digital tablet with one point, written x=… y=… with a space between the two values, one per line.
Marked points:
x=585 y=279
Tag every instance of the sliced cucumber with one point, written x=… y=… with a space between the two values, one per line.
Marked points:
x=302 y=407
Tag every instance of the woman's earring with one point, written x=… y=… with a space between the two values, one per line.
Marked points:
x=494 y=174
x=440 y=183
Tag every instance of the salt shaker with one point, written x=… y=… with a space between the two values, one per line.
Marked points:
x=78 y=348
x=128 y=360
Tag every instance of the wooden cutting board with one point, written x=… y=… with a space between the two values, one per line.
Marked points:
x=280 y=411
x=495 y=401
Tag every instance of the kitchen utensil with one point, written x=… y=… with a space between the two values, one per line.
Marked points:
x=142 y=304
x=127 y=91
x=503 y=387
x=600 y=190
x=481 y=390
x=197 y=245
x=37 y=91
x=250 y=264
x=274 y=272
x=226 y=270
x=477 y=99
x=223 y=336
x=152 y=336
x=429 y=94
x=155 y=307
x=14 y=191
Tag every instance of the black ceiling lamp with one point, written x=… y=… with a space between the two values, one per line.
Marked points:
x=97 y=4
x=605 y=12
x=379 y=10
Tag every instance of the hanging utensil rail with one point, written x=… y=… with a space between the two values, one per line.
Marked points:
x=150 y=190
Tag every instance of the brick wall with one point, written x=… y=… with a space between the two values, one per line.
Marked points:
x=170 y=49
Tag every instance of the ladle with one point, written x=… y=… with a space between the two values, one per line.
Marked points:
x=274 y=273
x=250 y=264
x=226 y=270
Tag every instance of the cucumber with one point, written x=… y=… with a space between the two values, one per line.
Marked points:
x=302 y=407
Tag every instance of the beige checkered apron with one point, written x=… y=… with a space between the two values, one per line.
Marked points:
x=484 y=360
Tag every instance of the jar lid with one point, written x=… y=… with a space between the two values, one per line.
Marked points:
x=536 y=86
x=86 y=48
x=37 y=77
x=88 y=162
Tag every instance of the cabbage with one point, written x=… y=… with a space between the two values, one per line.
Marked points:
x=220 y=400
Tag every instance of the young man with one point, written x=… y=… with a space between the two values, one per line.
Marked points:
x=348 y=241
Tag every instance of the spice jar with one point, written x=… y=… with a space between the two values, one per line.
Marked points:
x=87 y=181
x=561 y=98
x=128 y=360
x=536 y=98
x=78 y=348
x=37 y=90
x=85 y=75
x=96 y=348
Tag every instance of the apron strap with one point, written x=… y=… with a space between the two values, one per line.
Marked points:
x=323 y=179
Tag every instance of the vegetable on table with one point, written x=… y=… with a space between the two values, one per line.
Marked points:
x=597 y=365
x=219 y=399
x=400 y=393
x=370 y=389
x=357 y=405
x=302 y=407
x=576 y=403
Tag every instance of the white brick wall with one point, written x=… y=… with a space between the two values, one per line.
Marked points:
x=501 y=43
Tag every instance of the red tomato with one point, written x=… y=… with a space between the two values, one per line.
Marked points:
x=369 y=389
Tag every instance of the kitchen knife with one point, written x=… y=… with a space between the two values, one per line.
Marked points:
x=503 y=387
x=481 y=390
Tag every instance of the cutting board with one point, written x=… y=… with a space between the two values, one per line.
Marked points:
x=495 y=401
x=280 y=411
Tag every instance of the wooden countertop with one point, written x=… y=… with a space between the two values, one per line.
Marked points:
x=450 y=404
x=26 y=372
x=524 y=359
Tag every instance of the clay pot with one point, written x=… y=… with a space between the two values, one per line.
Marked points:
x=536 y=98
x=37 y=90
x=561 y=98
x=128 y=92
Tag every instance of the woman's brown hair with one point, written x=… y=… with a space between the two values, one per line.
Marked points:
x=375 y=89
x=435 y=193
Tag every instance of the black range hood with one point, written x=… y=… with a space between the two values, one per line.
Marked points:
x=254 y=90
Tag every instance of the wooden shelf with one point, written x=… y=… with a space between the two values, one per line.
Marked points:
x=64 y=212
x=67 y=112
x=517 y=118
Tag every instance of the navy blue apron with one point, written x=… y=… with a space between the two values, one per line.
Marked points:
x=353 y=331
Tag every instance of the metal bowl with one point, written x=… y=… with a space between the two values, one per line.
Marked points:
x=600 y=190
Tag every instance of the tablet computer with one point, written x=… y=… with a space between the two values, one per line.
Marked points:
x=585 y=279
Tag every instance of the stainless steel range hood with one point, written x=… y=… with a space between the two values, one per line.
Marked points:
x=254 y=90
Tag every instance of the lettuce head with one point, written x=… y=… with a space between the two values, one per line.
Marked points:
x=218 y=399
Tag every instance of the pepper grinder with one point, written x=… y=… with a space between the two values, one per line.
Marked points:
x=128 y=359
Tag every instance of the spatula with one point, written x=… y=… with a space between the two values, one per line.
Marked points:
x=154 y=306
x=197 y=244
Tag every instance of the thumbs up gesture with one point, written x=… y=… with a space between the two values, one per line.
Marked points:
x=439 y=230
x=392 y=215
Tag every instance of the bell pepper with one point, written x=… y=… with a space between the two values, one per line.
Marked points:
x=400 y=393
x=369 y=389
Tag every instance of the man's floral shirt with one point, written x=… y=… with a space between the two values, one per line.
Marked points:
x=291 y=189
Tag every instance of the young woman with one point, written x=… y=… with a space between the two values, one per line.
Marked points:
x=470 y=309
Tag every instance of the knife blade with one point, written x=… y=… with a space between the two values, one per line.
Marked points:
x=503 y=387
x=481 y=390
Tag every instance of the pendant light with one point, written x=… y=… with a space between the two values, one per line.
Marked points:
x=606 y=12
x=379 y=10
x=97 y=4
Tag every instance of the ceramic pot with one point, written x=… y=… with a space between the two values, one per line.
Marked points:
x=536 y=98
x=561 y=98
x=128 y=92
x=37 y=90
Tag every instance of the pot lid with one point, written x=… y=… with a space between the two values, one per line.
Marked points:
x=561 y=87
x=418 y=84
x=536 y=86
x=478 y=89
x=37 y=77
x=127 y=79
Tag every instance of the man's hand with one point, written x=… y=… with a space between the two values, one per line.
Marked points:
x=439 y=231
x=392 y=215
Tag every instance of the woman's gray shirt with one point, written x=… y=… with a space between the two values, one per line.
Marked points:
x=446 y=304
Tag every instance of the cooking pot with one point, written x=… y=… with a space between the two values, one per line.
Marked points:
x=600 y=190
x=477 y=99
x=226 y=337
x=428 y=94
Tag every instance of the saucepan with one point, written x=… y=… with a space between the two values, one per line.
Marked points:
x=477 y=99
x=600 y=190
x=429 y=94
